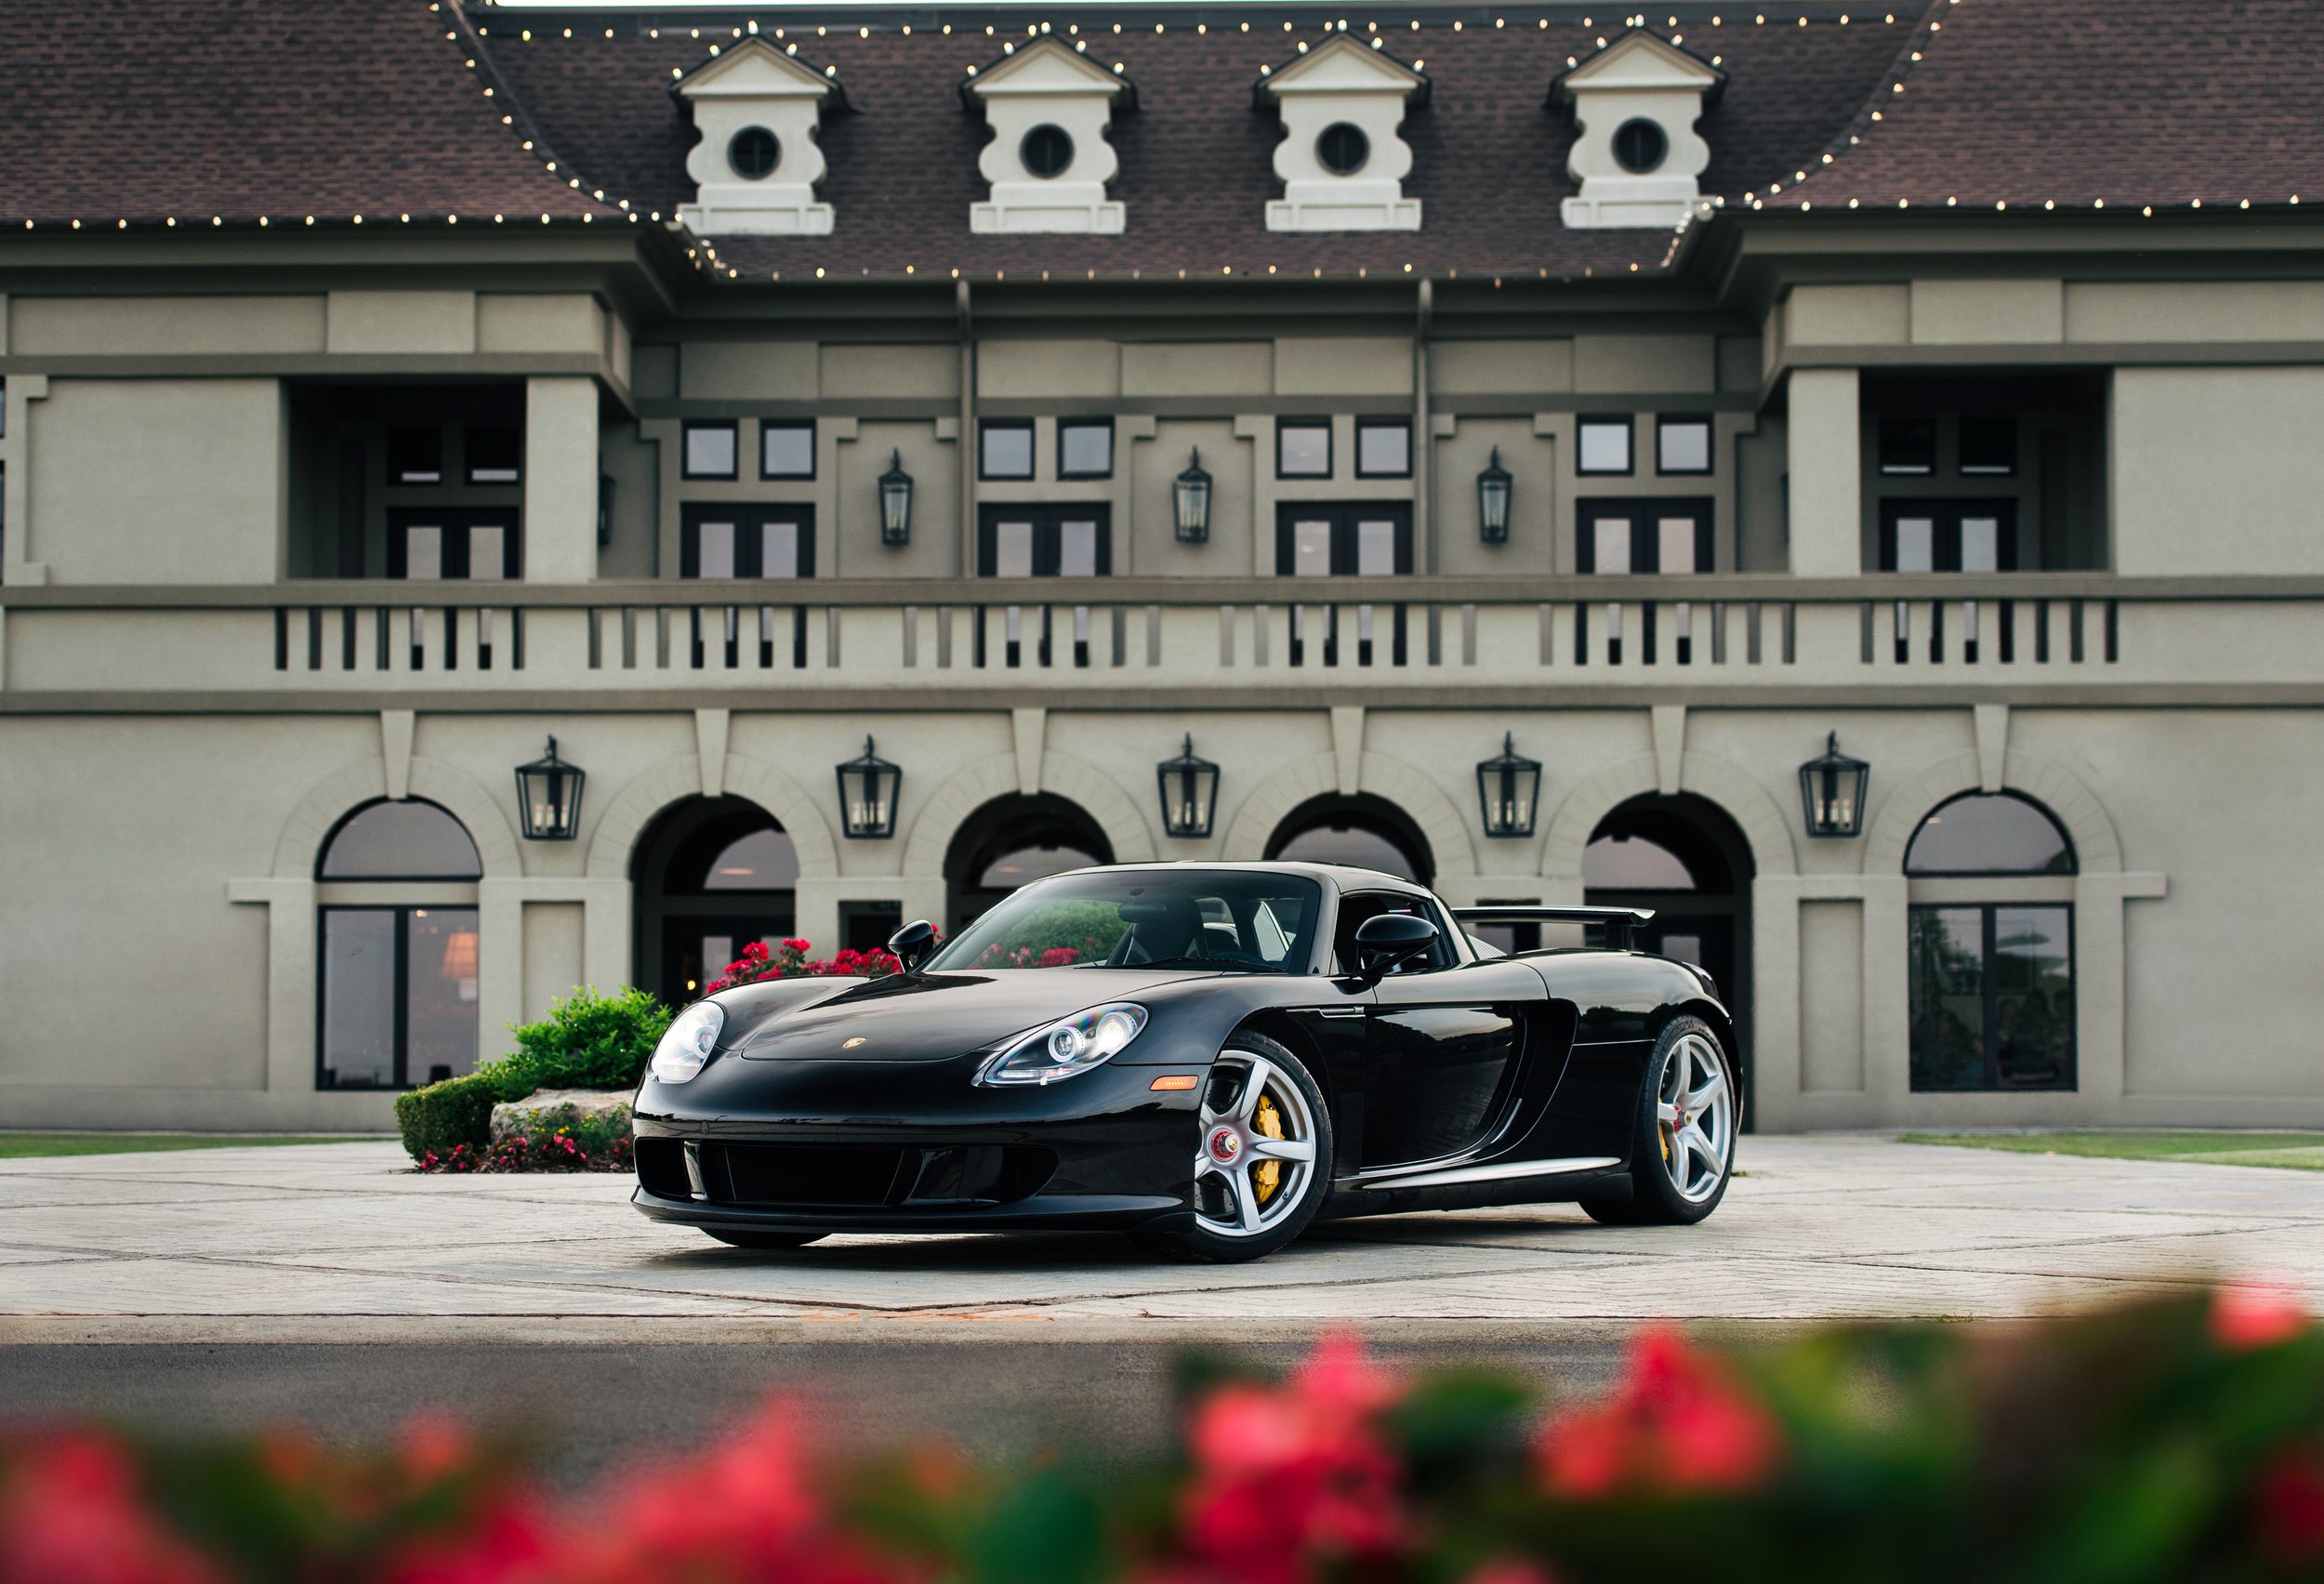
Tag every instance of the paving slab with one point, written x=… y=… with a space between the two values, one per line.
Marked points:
x=228 y=1242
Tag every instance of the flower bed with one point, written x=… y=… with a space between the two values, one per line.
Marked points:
x=2175 y=1440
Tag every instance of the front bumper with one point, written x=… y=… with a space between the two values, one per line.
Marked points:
x=837 y=1146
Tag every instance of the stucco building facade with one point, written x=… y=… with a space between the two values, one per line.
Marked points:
x=1345 y=399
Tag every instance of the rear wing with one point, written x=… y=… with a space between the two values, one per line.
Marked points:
x=1620 y=922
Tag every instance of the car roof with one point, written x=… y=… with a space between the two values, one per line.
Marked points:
x=1341 y=877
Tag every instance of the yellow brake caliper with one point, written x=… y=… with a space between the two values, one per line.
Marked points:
x=1268 y=1174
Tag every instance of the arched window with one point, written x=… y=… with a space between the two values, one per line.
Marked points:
x=1991 y=932
x=398 y=930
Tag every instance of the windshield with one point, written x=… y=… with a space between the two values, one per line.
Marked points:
x=1236 y=920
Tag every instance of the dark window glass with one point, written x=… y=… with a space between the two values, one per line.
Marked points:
x=764 y=860
x=1085 y=449
x=416 y=455
x=1383 y=448
x=496 y=456
x=358 y=999
x=787 y=448
x=1005 y=449
x=1989 y=446
x=427 y=545
x=1044 y=541
x=1615 y=535
x=1682 y=445
x=1991 y=997
x=754 y=153
x=1948 y=535
x=407 y=841
x=1990 y=833
x=1047 y=151
x=1343 y=147
x=1639 y=145
x=1357 y=910
x=1633 y=863
x=1604 y=446
x=438 y=993
x=1303 y=448
x=709 y=449
x=1336 y=539
x=398 y=996
x=1908 y=446
x=741 y=540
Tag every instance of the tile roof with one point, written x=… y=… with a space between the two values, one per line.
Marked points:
x=142 y=110
x=2128 y=104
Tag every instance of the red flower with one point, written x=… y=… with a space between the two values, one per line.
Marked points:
x=2290 y=1501
x=755 y=952
x=795 y=944
x=1675 y=1423
x=2247 y=1316
x=70 y=1514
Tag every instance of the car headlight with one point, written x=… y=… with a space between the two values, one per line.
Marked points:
x=1066 y=1048
x=692 y=1034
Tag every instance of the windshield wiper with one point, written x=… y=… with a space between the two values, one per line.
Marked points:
x=1223 y=965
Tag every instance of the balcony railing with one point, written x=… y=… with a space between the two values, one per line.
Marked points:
x=1601 y=631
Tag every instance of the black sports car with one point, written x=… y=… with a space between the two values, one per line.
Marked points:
x=1205 y=1055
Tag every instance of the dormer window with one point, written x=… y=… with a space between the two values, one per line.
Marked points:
x=1049 y=160
x=757 y=166
x=1635 y=149
x=1343 y=159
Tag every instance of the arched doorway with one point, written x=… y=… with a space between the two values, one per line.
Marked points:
x=1363 y=832
x=1011 y=840
x=1684 y=857
x=710 y=875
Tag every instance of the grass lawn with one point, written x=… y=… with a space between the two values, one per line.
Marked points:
x=2299 y=1152
x=14 y=1145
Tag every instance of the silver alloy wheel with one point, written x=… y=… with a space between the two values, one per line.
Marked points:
x=1695 y=1115
x=1232 y=1146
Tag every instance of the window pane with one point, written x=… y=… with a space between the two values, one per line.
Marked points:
x=1685 y=445
x=423 y=554
x=440 y=995
x=414 y=457
x=1633 y=863
x=1375 y=549
x=717 y=556
x=786 y=451
x=1310 y=549
x=2033 y=978
x=709 y=451
x=1916 y=544
x=778 y=549
x=1383 y=450
x=1008 y=451
x=1989 y=445
x=765 y=860
x=487 y=552
x=1012 y=549
x=358 y=998
x=1980 y=544
x=1947 y=996
x=493 y=456
x=1988 y=834
x=1611 y=544
x=1085 y=450
x=1303 y=450
x=409 y=840
x=1076 y=550
x=1675 y=543
x=1605 y=446
x=1908 y=446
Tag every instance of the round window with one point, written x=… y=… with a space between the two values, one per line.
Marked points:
x=1343 y=148
x=1639 y=146
x=754 y=153
x=1047 y=151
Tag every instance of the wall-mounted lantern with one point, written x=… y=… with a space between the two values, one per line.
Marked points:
x=1190 y=502
x=1493 y=485
x=1832 y=791
x=1509 y=791
x=895 y=502
x=1190 y=794
x=867 y=796
x=549 y=798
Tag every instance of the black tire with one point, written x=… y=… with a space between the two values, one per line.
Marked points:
x=1663 y=1194
x=766 y=1242
x=1228 y=1180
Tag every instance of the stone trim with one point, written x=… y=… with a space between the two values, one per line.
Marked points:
x=364 y=781
x=965 y=791
x=2097 y=849
x=1708 y=776
x=1259 y=815
x=679 y=777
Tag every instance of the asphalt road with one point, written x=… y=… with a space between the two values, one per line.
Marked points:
x=598 y=1404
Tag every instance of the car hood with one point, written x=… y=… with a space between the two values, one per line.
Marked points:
x=939 y=1017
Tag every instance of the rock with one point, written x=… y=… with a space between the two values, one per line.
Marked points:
x=544 y=1110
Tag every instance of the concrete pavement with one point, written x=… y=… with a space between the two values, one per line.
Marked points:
x=342 y=1243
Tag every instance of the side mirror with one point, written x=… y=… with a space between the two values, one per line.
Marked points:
x=913 y=943
x=1389 y=939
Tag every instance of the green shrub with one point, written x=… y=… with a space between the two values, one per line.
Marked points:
x=587 y=1041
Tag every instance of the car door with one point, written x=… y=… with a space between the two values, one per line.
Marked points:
x=1443 y=1043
